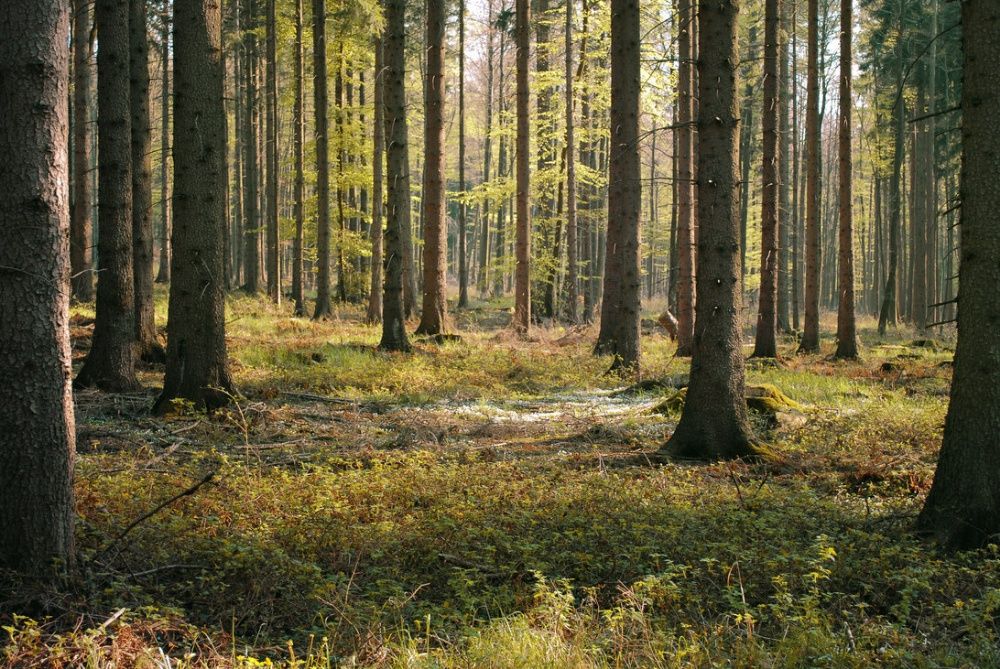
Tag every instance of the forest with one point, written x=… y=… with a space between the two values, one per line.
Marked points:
x=499 y=334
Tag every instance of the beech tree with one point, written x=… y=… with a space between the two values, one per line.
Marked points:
x=963 y=506
x=37 y=442
x=197 y=366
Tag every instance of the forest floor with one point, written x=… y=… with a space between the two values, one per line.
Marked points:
x=494 y=502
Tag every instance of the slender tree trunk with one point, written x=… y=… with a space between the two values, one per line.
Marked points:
x=784 y=171
x=142 y=185
x=963 y=507
x=323 y=307
x=887 y=314
x=747 y=148
x=37 y=442
x=378 y=159
x=522 y=273
x=810 y=333
x=271 y=112
x=397 y=176
x=796 y=161
x=298 y=121
x=197 y=367
x=766 y=343
x=685 y=183
x=482 y=277
x=251 y=163
x=714 y=423
x=110 y=364
x=847 y=340
x=463 y=267
x=434 y=316
x=572 y=261
x=163 y=272
x=619 y=334
x=82 y=276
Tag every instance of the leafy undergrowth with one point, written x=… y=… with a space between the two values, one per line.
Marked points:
x=490 y=503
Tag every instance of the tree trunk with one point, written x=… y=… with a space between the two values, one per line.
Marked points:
x=619 y=333
x=81 y=258
x=482 y=277
x=110 y=364
x=197 y=367
x=37 y=442
x=522 y=274
x=463 y=267
x=747 y=147
x=685 y=182
x=397 y=176
x=887 y=314
x=847 y=339
x=271 y=113
x=572 y=278
x=810 y=332
x=766 y=342
x=142 y=185
x=378 y=159
x=435 y=308
x=163 y=272
x=298 y=121
x=796 y=162
x=251 y=162
x=784 y=171
x=963 y=507
x=323 y=307
x=714 y=422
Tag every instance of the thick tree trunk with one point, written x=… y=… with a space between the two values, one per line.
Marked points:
x=810 y=332
x=963 y=507
x=110 y=364
x=197 y=367
x=142 y=185
x=397 y=176
x=714 y=422
x=766 y=342
x=271 y=113
x=298 y=121
x=619 y=334
x=847 y=339
x=37 y=442
x=323 y=307
x=163 y=272
x=378 y=159
x=685 y=182
x=434 y=316
x=82 y=276
x=522 y=273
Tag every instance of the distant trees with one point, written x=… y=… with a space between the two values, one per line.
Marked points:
x=37 y=442
x=197 y=367
x=963 y=506
x=714 y=423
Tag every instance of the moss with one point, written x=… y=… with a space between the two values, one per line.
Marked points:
x=765 y=399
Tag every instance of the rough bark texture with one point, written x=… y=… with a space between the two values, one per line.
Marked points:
x=271 y=114
x=142 y=185
x=963 y=507
x=619 y=333
x=810 y=329
x=197 y=368
x=463 y=260
x=572 y=270
x=37 y=442
x=847 y=339
x=322 y=134
x=766 y=342
x=522 y=248
x=110 y=364
x=714 y=422
x=251 y=157
x=685 y=176
x=434 y=314
x=163 y=271
x=397 y=176
x=378 y=160
x=81 y=223
x=298 y=121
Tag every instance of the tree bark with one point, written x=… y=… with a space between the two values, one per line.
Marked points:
x=847 y=339
x=37 y=442
x=397 y=176
x=685 y=186
x=197 y=367
x=81 y=225
x=572 y=278
x=271 y=114
x=463 y=260
x=810 y=332
x=619 y=333
x=888 y=313
x=110 y=364
x=323 y=307
x=714 y=424
x=434 y=315
x=766 y=342
x=163 y=271
x=963 y=507
x=378 y=159
x=298 y=121
x=522 y=272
